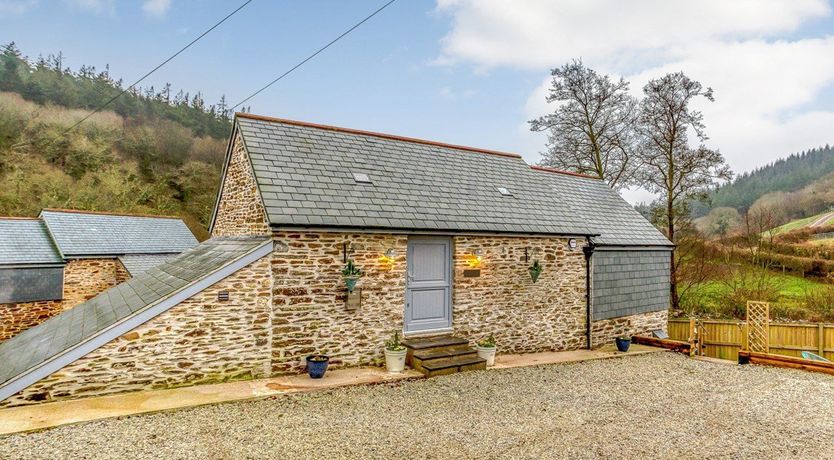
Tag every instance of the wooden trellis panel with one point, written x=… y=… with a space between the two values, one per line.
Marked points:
x=758 y=326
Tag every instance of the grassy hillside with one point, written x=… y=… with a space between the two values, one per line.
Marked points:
x=150 y=154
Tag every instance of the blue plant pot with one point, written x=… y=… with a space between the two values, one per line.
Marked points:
x=316 y=369
x=623 y=344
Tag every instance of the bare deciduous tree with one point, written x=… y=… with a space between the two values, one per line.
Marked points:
x=669 y=165
x=592 y=130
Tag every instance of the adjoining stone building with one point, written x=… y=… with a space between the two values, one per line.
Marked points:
x=445 y=236
x=63 y=258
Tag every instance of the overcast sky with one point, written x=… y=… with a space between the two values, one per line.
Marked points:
x=466 y=71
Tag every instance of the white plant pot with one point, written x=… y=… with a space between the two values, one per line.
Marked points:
x=395 y=361
x=487 y=353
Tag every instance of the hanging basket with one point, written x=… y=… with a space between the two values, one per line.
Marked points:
x=535 y=271
x=350 y=282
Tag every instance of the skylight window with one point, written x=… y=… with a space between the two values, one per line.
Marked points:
x=362 y=178
x=504 y=191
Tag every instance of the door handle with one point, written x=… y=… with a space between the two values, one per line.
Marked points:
x=409 y=276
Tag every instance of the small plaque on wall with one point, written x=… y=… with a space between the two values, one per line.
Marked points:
x=354 y=299
x=473 y=273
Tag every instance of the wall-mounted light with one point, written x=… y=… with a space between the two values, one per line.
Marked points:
x=475 y=258
x=389 y=256
x=572 y=243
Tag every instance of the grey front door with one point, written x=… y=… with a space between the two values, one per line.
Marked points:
x=428 y=294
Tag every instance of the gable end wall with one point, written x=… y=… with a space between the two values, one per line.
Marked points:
x=240 y=211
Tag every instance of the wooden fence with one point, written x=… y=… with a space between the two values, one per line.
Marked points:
x=724 y=338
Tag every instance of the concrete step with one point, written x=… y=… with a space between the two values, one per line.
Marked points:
x=452 y=365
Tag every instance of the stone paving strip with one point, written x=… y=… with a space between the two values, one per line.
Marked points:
x=49 y=415
x=659 y=405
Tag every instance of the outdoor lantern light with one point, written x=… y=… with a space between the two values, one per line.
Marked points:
x=475 y=258
x=572 y=243
x=391 y=253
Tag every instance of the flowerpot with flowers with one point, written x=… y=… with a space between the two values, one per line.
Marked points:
x=535 y=270
x=395 y=353
x=351 y=274
x=486 y=349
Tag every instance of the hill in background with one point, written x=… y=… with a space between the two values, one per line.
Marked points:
x=152 y=152
x=785 y=175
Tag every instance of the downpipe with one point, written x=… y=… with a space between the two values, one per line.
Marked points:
x=589 y=252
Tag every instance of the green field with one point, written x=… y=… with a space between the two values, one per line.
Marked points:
x=799 y=223
x=715 y=298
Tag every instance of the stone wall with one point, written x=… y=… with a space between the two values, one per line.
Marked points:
x=241 y=210
x=17 y=317
x=310 y=315
x=549 y=314
x=87 y=278
x=309 y=296
x=201 y=340
x=605 y=331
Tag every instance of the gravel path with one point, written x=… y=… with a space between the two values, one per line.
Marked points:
x=660 y=405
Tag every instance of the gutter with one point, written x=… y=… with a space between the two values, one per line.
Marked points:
x=589 y=252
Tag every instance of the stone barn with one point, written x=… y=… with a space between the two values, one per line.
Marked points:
x=452 y=242
x=62 y=258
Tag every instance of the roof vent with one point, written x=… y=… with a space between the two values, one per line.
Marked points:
x=362 y=178
x=505 y=192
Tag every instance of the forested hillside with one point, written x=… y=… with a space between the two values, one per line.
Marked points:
x=151 y=151
x=785 y=175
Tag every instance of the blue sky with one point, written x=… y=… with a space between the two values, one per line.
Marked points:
x=464 y=71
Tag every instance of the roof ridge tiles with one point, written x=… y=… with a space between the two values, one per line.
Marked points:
x=394 y=137
x=109 y=213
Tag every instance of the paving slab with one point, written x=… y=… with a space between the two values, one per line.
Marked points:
x=49 y=415
x=507 y=361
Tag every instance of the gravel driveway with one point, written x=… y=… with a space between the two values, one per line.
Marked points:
x=660 y=405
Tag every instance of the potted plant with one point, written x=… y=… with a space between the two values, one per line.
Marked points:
x=535 y=270
x=317 y=365
x=623 y=342
x=351 y=273
x=395 y=354
x=486 y=349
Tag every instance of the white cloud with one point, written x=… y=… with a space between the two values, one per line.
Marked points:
x=15 y=7
x=156 y=7
x=449 y=93
x=96 y=6
x=537 y=33
x=765 y=78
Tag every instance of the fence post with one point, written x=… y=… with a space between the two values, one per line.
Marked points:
x=821 y=339
x=691 y=336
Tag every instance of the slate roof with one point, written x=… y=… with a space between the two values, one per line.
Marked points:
x=78 y=233
x=137 y=264
x=305 y=174
x=26 y=241
x=605 y=212
x=83 y=323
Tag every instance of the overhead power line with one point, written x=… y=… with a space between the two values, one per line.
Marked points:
x=354 y=27
x=110 y=101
